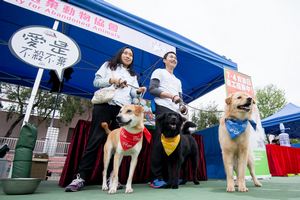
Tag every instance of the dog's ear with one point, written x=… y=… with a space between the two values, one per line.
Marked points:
x=139 y=109
x=228 y=100
x=160 y=117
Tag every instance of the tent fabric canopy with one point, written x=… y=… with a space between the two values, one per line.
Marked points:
x=289 y=116
x=200 y=69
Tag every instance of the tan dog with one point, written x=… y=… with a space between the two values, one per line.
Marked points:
x=123 y=141
x=236 y=152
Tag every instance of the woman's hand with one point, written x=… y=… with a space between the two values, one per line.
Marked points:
x=141 y=90
x=118 y=82
x=113 y=81
x=122 y=83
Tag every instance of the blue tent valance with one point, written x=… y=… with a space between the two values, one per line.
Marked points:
x=200 y=69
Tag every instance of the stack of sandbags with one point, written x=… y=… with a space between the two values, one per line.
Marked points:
x=23 y=152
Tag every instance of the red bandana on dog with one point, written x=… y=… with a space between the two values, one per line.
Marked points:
x=128 y=140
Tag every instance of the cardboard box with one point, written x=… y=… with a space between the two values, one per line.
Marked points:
x=39 y=168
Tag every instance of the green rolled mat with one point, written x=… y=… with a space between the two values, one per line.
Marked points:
x=21 y=169
x=23 y=154
x=28 y=136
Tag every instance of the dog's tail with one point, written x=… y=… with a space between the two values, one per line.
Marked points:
x=105 y=126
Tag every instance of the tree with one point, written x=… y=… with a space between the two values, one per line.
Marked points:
x=270 y=99
x=71 y=106
x=68 y=106
x=206 y=117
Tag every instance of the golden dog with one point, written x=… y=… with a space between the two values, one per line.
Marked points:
x=124 y=141
x=236 y=148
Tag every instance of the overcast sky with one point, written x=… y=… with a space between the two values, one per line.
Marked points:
x=261 y=36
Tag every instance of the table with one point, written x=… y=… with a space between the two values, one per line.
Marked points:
x=283 y=160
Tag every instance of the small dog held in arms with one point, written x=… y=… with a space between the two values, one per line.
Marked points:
x=124 y=141
x=234 y=132
x=177 y=147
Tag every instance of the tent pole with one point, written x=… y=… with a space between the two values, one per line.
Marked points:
x=36 y=86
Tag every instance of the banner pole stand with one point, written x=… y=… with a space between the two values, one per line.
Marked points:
x=36 y=86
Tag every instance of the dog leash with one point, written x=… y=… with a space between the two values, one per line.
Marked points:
x=140 y=96
x=182 y=105
x=182 y=108
x=202 y=110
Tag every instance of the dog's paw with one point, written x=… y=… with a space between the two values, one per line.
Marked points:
x=182 y=181
x=174 y=186
x=243 y=189
x=104 y=187
x=167 y=186
x=196 y=182
x=230 y=188
x=257 y=183
x=128 y=190
x=112 y=191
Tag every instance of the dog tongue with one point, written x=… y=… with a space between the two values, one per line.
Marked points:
x=245 y=107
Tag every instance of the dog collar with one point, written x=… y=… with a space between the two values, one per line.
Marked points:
x=128 y=140
x=170 y=144
x=236 y=127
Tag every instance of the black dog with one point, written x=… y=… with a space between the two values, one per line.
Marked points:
x=170 y=126
x=190 y=151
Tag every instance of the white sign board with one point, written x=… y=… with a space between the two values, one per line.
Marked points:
x=45 y=48
x=95 y=23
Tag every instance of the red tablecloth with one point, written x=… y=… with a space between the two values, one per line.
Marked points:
x=283 y=160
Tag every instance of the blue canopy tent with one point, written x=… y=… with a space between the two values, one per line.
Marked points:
x=200 y=69
x=289 y=116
